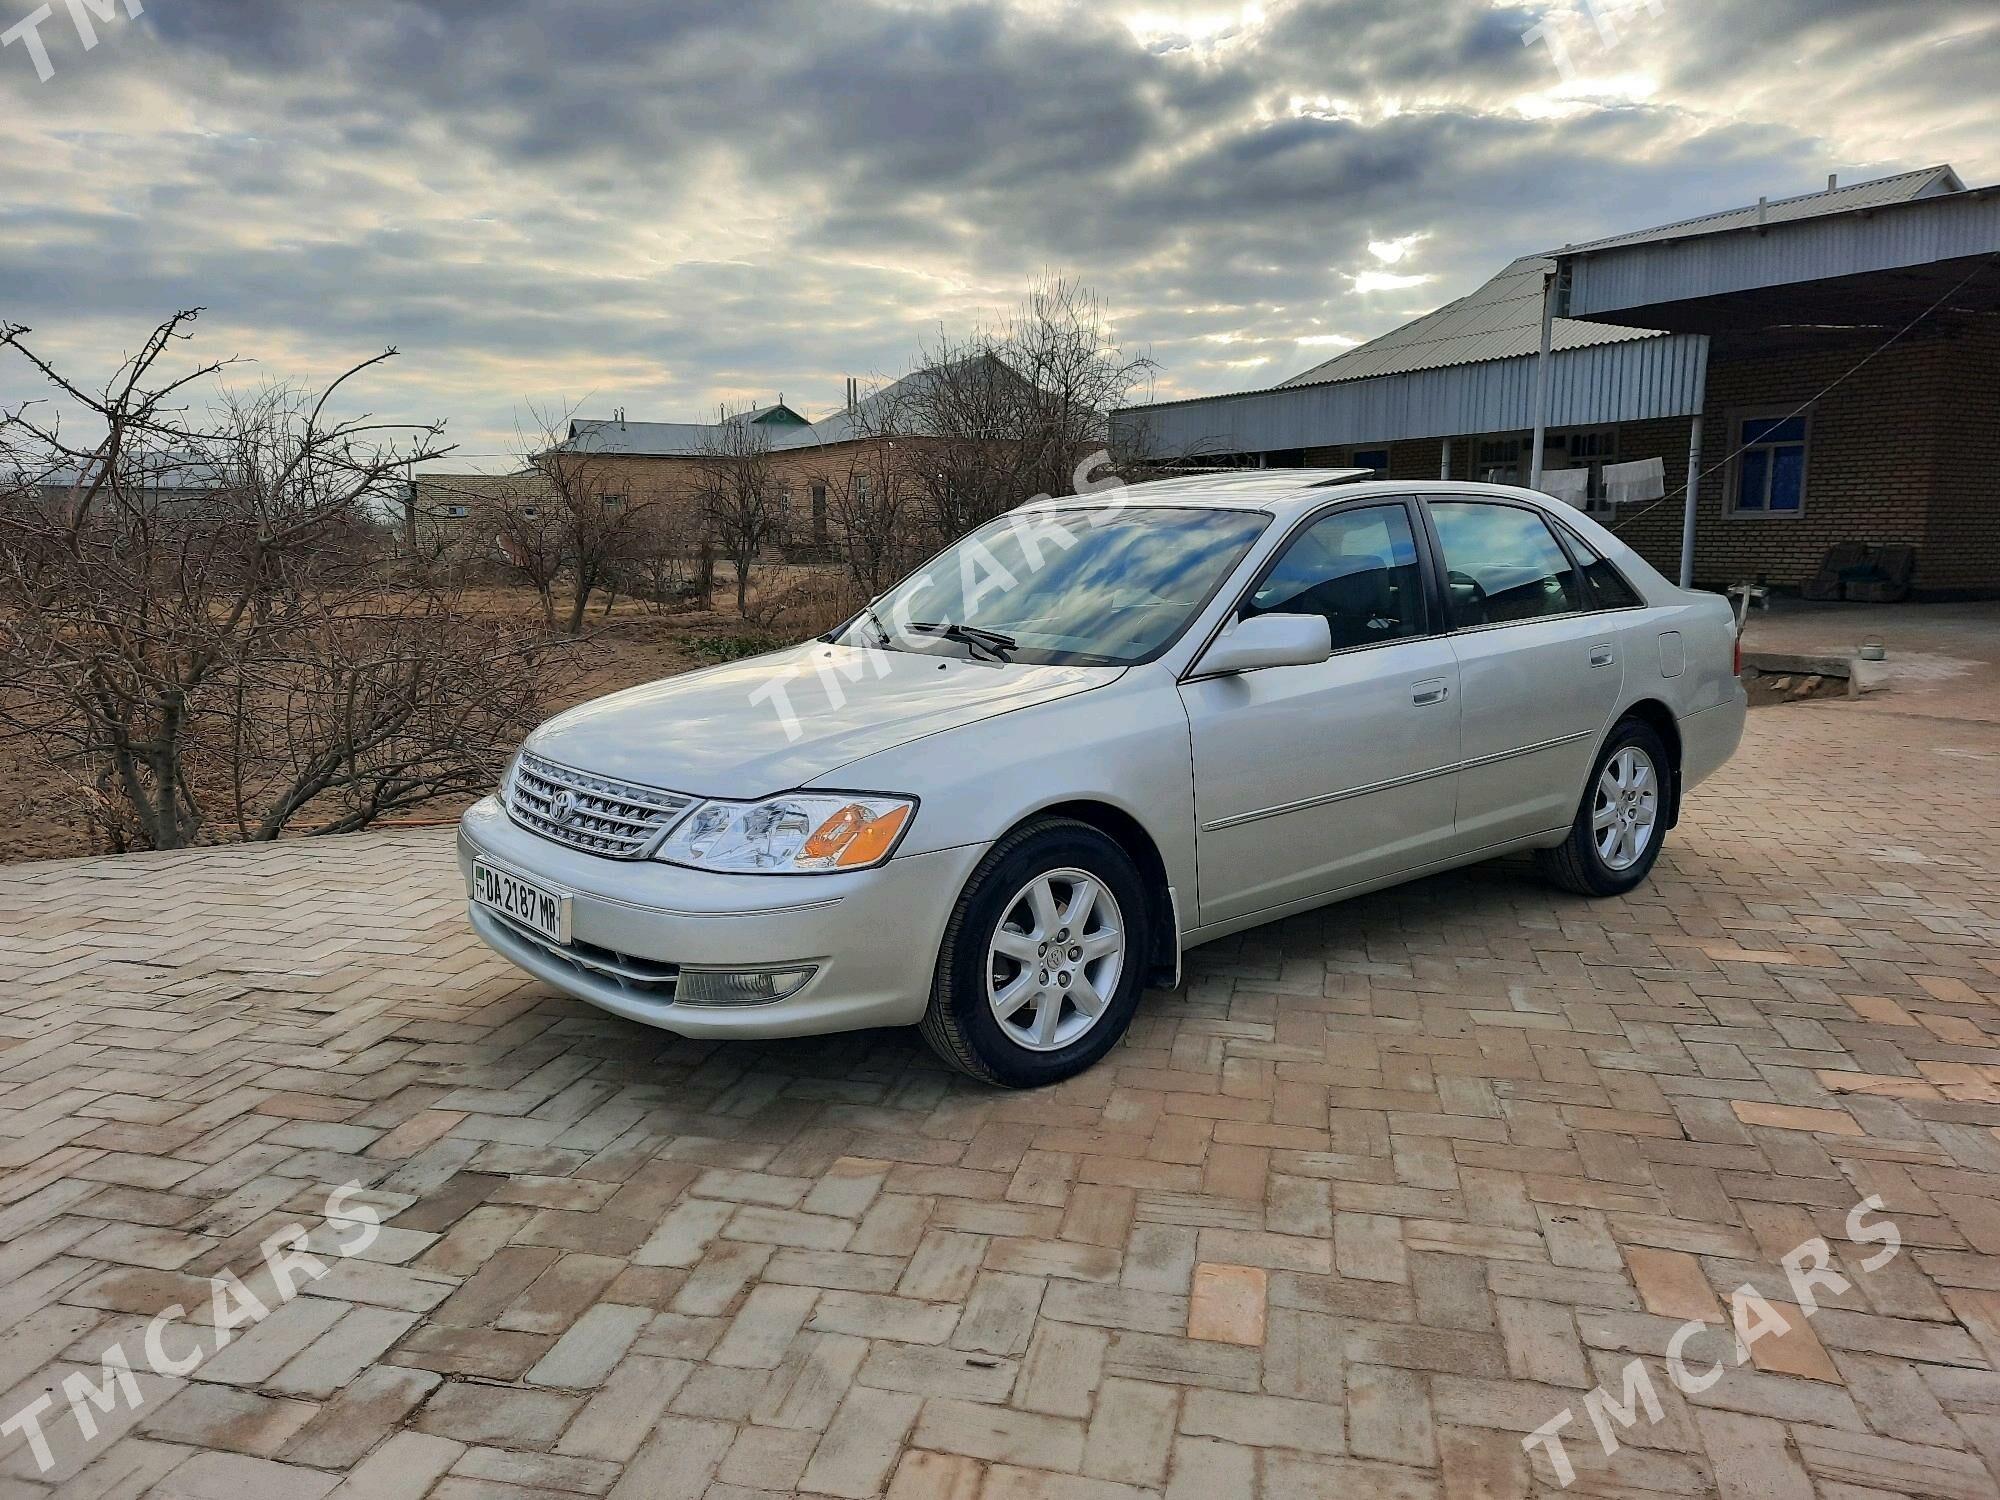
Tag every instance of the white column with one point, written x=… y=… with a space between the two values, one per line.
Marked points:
x=1693 y=492
x=1542 y=379
x=1444 y=463
x=1694 y=466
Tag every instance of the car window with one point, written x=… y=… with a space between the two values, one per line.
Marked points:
x=1606 y=582
x=1358 y=569
x=1502 y=564
x=1094 y=586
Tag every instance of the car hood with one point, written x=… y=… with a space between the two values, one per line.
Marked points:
x=772 y=723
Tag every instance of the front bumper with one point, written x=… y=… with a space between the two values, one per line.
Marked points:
x=871 y=936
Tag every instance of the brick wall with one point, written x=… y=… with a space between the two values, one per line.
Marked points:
x=1907 y=450
x=1904 y=451
x=1961 y=550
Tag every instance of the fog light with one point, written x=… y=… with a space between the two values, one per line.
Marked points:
x=739 y=987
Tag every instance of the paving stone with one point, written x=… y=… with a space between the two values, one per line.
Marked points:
x=403 y=1468
x=862 y=1444
x=1673 y=1284
x=1413 y=1173
x=1131 y=1433
x=1227 y=1304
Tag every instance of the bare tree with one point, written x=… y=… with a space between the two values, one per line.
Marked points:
x=875 y=520
x=195 y=608
x=661 y=560
x=531 y=528
x=567 y=514
x=1003 y=415
x=740 y=505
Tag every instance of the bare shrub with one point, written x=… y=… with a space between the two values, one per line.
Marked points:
x=997 y=416
x=738 y=495
x=201 y=639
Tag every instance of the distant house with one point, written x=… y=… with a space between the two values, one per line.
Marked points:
x=1827 y=366
x=152 y=488
x=454 y=513
x=822 y=470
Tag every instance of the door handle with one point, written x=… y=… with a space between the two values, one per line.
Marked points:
x=1430 y=690
x=1601 y=656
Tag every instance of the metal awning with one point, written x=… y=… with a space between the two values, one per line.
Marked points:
x=1867 y=268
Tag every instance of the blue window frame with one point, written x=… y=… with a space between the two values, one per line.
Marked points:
x=1771 y=468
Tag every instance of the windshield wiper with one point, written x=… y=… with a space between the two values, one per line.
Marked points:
x=867 y=613
x=992 y=642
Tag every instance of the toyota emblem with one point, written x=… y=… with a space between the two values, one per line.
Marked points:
x=562 y=806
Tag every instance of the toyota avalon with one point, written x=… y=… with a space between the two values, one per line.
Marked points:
x=1008 y=795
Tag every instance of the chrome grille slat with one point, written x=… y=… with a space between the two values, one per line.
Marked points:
x=643 y=976
x=616 y=819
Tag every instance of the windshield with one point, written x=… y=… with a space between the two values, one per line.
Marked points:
x=1096 y=587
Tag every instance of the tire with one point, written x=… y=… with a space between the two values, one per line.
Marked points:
x=1049 y=1033
x=1581 y=862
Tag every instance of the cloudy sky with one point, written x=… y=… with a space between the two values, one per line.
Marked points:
x=662 y=204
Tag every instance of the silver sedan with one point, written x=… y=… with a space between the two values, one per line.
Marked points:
x=1007 y=796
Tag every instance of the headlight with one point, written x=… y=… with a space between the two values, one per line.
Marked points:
x=803 y=833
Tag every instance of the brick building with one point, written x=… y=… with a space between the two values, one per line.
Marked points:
x=822 y=472
x=1827 y=366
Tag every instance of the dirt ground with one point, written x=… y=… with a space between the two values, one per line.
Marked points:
x=627 y=646
x=1769 y=688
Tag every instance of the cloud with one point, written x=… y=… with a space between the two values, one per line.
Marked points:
x=660 y=206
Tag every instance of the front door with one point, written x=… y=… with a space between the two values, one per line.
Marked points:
x=1538 y=675
x=1314 y=778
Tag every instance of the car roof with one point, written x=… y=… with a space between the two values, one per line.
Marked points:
x=1283 y=491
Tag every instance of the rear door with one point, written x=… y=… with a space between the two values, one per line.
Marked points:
x=1309 y=779
x=1539 y=671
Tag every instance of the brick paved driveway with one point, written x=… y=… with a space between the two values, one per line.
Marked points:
x=1382 y=1189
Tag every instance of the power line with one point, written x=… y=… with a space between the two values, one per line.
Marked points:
x=1814 y=400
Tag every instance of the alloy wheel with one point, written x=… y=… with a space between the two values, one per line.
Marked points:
x=1055 y=959
x=1627 y=808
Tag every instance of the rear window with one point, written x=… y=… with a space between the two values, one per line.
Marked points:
x=1606 y=582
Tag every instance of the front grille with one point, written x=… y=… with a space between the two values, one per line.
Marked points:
x=604 y=816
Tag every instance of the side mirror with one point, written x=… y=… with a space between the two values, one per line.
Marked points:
x=1268 y=641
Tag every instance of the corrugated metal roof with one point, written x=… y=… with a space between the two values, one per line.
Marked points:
x=1470 y=366
x=1503 y=318
x=1680 y=281
x=691 y=439
x=1638 y=380
x=591 y=435
x=1904 y=187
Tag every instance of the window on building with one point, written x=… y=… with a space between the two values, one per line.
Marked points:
x=1502 y=460
x=1375 y=459
x=1586 y=448
x=530 y=512
x=1770 y=465
x=1358 y=568
x=819 y=513
x=457 y=512
x=612 y=504
x=1502 y=564
x=861 y=489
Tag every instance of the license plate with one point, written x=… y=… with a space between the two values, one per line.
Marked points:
x=534 y=907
